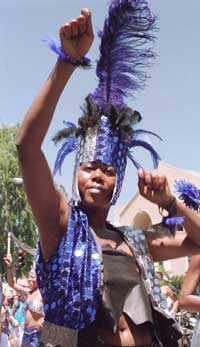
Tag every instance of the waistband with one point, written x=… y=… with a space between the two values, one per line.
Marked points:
x=30 y=331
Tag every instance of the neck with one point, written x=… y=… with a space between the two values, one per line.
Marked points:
x=96 y=217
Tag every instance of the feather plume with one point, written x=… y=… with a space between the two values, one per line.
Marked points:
x=146 y=145
x=68 y=146
x=70 y=130
x=125 y=51
x=188 y=193
x=172 y=223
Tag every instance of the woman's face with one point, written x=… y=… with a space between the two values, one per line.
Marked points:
x=96 y=182
x=32 y=281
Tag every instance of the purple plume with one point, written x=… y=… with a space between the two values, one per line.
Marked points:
x=125 y=50
x=172 y=223
x=188 y=193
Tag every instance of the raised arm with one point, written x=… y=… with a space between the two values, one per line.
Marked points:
x=156 y=189
x=49 y=207
x=187 y=298
x=10 y=276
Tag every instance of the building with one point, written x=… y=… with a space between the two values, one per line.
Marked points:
x=141 y=213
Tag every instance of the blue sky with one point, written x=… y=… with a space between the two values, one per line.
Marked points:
x=169 y=104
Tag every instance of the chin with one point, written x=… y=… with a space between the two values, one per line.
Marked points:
x=95 y=202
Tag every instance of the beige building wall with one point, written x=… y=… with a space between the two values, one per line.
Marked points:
x=141 y=213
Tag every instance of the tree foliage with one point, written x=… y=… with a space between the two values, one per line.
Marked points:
x=15 y=212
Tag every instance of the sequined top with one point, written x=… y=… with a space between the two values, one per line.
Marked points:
x=35 y=306
x=70 y=280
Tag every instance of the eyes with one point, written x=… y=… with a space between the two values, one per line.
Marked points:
x=107 y=170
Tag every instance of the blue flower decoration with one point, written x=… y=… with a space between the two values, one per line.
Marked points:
x=188 y=193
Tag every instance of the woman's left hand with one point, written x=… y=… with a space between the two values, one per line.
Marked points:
x=155 y=188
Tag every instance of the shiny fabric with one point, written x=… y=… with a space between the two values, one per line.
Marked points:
x=35 y=306
x=69 y=281
x=111 y=151
x=101 y=143
x=31 y=336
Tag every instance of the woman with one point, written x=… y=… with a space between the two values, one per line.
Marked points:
x=188 y=299
x=171 y=301
x=76 y=305
x=17 y=316
x=4 y=324
x=34 y=315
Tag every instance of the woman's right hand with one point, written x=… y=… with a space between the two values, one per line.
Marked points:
x=8 y=261
x=77 y=35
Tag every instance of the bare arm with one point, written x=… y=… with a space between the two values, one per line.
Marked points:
x=156 y=189
x=49 y=207
x=187 y=298
x=10 y=276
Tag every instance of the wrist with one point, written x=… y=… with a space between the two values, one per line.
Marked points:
x=170 y=207
x=9 y=267
x=57 y=48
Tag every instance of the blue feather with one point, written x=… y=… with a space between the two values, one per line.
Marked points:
x=139 y=143
x=173 y=220
x=69 y=124
x=125 y=50
x=135 y=163
x=69 y=146
x=188 y=193
x=139 y=132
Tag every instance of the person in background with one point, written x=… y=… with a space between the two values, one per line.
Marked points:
x=34 y=314
x=188 y=297
x=170 y=299
x=17 y=316
x=4 y=323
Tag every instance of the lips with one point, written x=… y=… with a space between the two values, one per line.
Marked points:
x=96 y=189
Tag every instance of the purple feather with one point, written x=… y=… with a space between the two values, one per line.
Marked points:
x=139 y=132
x=125 y=50
x=55 y=45
x=139 y=143
x=69 y=124
x=173 y=220
x=135 y=163
x=188 y=193
x=69 y=146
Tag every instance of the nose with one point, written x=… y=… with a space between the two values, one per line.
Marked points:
x=97 y=175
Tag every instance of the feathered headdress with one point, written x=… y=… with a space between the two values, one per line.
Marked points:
x=106 y=129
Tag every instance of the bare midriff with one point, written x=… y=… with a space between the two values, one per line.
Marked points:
x=31 y=319
x=127 y=334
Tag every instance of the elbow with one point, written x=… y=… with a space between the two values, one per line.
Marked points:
x=24 y=147
x=21 y=145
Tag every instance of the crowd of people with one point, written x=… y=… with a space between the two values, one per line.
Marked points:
x=22 y=306
x=96 y=283
x=22 y=312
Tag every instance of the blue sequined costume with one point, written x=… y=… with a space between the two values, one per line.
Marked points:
x=70 y=280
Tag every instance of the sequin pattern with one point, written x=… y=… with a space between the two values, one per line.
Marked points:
x=111 y=151
x=102 y=143
x=70 y=280
x=139 y=244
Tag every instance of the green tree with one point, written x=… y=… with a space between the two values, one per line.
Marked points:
x=15 y=212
